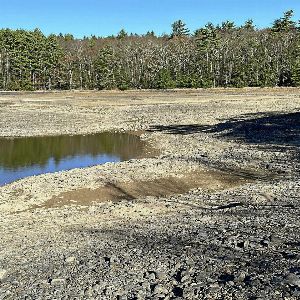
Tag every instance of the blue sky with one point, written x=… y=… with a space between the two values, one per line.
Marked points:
x=102 y=18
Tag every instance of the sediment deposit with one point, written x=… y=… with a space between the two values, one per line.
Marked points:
x=211 y=212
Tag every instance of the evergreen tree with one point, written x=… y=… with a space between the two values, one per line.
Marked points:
x=215 y=56
x=179 y=29
x=285 y=23
x=227 y=26
x=122 y=34
x=150 y=34
x=104 y=69
x=249 y=25
x=164 y=80
x=296 y=67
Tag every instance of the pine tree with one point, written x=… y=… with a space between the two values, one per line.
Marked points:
x=227 y=26
x=215 y=56
x=249 y=25
x=285 y=23
x=164 y=80
x=122 y=34
x=179 y=29
x=296 y=67
x=104 y=69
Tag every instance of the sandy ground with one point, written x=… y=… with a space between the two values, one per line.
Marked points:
x=212 y=214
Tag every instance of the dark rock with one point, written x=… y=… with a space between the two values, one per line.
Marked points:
x=225 y=278
x=177 y=291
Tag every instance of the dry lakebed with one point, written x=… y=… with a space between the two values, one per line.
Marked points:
x=196 y=197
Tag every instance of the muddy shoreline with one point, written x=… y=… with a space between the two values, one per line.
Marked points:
x=234 y=238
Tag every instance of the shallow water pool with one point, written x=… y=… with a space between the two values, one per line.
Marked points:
x=23 y=157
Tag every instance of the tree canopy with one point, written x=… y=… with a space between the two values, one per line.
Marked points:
x=224 y=55
x=179 y=29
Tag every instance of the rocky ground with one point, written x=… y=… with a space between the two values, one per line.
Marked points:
x=233 y=236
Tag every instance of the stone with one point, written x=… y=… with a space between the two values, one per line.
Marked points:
x=151 y=276
x=214 y=287
x=161 y=275
x=71 y=260
x=185 y=278
x=160 y=289
x=240 y=277
x=293 y=280
x=3 y=274
x=58 y=281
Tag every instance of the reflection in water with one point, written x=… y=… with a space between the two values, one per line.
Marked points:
x=22 y=157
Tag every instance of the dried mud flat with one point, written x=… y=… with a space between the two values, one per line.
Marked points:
x=214 y=214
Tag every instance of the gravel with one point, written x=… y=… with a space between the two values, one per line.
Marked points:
x=235 y=242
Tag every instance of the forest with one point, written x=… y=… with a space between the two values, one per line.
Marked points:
x=223 y=55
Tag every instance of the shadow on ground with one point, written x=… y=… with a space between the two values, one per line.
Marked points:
x=272 y=129
x=215 y=252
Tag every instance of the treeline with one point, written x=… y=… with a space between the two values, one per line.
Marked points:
x=223 y=55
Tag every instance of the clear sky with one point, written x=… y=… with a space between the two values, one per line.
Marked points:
x=106 y=17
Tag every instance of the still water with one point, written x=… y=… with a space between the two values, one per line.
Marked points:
x=23 y=157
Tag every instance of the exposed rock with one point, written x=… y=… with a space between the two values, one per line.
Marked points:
x=293 y=280
x=235 y=235
x=3 y=274
x=71 y=260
